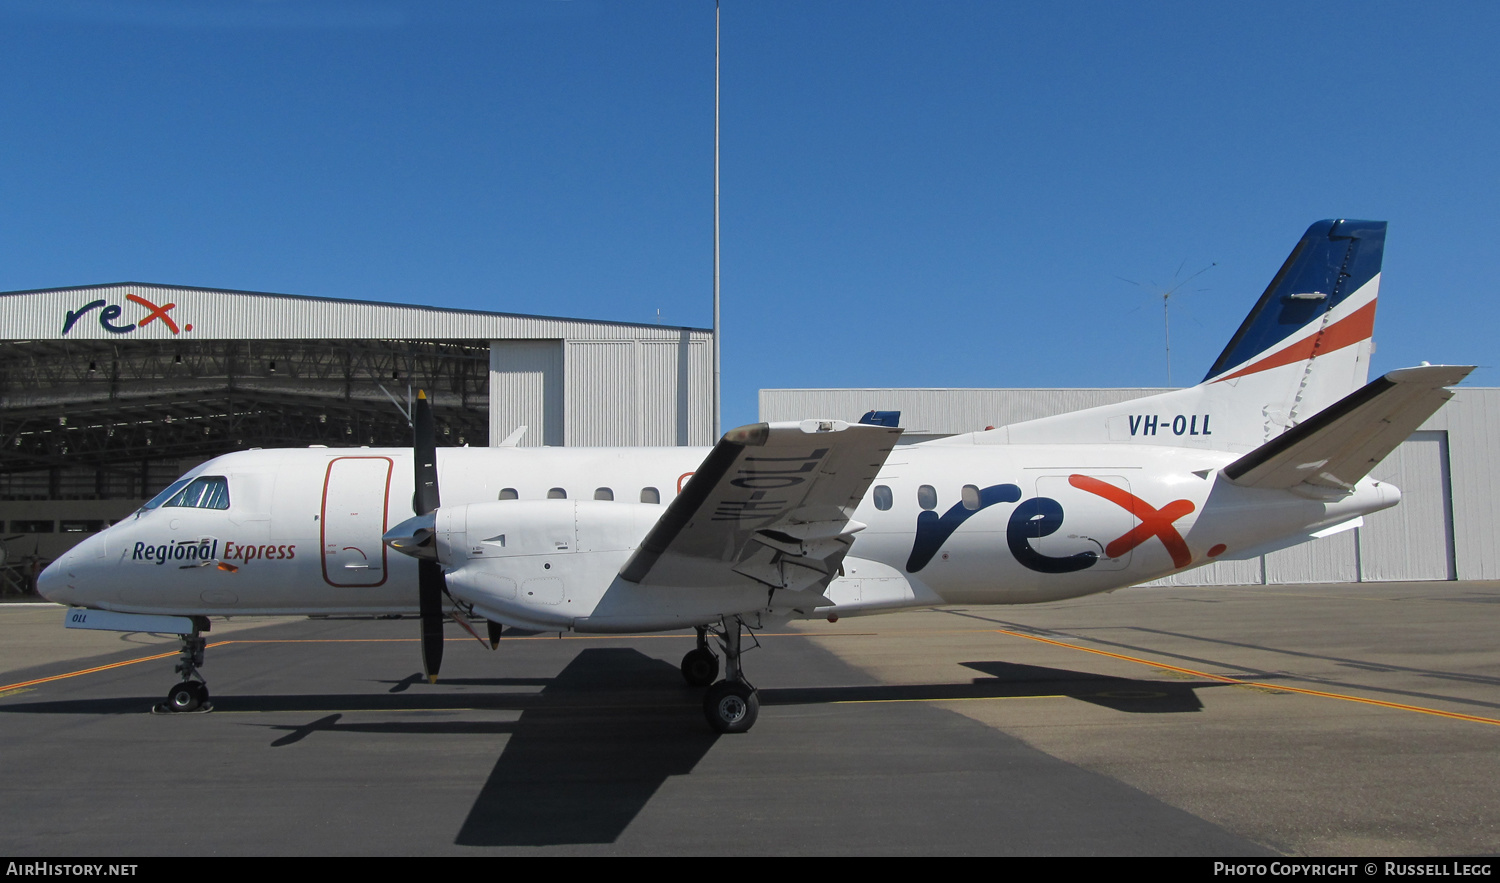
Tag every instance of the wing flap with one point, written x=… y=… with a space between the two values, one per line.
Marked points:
x=771 y=505
x=1342 y=443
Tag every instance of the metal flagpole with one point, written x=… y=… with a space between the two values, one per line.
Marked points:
x=716 y=221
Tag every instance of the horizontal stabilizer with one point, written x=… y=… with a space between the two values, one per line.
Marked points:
x=1341 y=444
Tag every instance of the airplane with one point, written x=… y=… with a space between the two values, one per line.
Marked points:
x=820 y=518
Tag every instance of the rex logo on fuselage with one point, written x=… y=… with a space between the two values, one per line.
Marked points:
x=1041 y=516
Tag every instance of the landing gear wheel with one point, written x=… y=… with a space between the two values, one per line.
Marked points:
x=187 y=696
x=731 y=706
x=700 y=668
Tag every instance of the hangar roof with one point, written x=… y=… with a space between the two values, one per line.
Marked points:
x=144 y=311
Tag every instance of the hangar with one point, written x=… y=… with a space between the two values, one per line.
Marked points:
x=109 y=392
x=1444 y=528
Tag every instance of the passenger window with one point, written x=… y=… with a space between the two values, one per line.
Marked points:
x=970 y=497
x=203 y=492
x=882 y=497
x=650 y=495
x=603 y=493
x=927 y=497
x=509 y=493
x=557 y=493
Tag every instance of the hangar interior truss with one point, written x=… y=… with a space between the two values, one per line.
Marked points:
x=101 y=419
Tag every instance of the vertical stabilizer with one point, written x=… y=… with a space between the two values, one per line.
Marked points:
x=1307 y=342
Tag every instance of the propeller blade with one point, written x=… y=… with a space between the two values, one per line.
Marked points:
x=494 y=633
x=430 y=584
x=424 y=452
x=425 y=501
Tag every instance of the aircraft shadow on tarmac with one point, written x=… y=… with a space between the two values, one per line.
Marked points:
x=589 y=750
x=1009 y=680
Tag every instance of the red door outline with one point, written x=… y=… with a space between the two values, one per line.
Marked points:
x=385 y=508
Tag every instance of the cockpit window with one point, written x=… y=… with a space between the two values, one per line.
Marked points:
x=203 y=492
x=167 y=494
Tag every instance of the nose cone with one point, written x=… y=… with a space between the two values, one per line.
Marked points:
x=54 y=583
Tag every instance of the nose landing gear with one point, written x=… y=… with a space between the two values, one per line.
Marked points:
x=192 y=693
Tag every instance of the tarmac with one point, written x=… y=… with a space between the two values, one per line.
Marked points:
x=1318 y=720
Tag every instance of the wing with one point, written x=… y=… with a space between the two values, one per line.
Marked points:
x=771 y=505
x=1341 y=444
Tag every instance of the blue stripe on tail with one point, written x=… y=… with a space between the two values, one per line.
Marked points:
x=1334 y=259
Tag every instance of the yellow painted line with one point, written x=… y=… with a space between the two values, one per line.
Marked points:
x=1243 y=683
x=87 y=671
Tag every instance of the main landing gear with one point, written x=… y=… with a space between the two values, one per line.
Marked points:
x=731 y=705
x=192 y=693
x=700 y=667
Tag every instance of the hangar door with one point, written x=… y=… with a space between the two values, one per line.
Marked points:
x=1413 y=541
x=526 y=389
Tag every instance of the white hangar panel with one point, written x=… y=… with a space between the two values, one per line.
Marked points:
x=602 y=383
x=639 y=392
x=1251 y=572
x=1332 y=559
x=675 y=373
x=139 y=311
x=526 y=389
x=1415 y=539
x=1472 y=421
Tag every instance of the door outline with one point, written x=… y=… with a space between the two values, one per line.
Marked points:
x=385 y=508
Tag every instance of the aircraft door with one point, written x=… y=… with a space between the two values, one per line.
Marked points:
x=1090 y=521
x=356 y=494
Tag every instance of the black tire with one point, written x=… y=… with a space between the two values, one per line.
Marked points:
x=186 y=696
x=700 y=668
x=731 y=707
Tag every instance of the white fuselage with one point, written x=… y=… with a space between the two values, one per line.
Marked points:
x=302 y=533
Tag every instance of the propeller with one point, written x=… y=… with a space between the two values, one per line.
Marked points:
x=417 y=537
x=430 y=581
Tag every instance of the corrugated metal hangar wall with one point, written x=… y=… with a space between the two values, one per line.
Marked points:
x=1446 y=527
x=600 y=392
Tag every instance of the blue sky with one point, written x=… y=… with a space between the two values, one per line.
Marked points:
x=914 y=193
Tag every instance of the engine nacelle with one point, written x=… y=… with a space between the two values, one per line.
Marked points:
x=538 y=562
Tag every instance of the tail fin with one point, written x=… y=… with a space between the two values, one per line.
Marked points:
x=1319 y=312
x=1304 y=346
